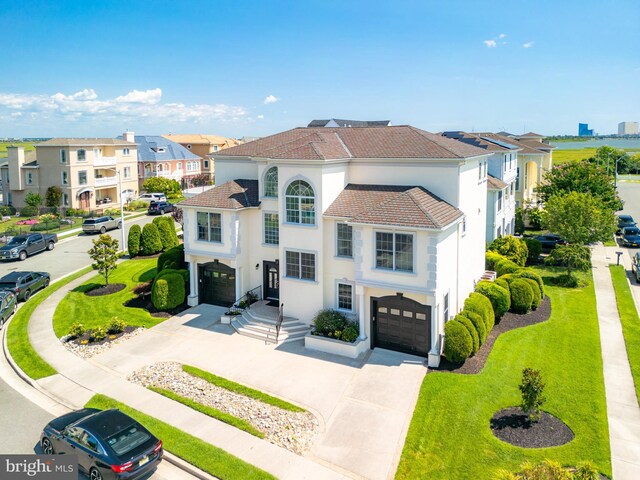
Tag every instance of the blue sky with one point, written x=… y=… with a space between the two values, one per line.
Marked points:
x=236 y=68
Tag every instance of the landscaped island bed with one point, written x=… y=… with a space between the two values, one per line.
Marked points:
x=450 y=435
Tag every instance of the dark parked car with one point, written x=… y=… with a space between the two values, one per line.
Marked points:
x=631 y=237
x=8 y=306
x=159 y=208
x=100 y=224
x=109 y=444
x=625 y=221
x=24 y=284
x=22 y=246
x=550 y=241
x=635 y=266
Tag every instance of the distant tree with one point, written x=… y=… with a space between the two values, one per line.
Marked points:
x=579 y=218
x=200 y=180
x=33 y=199
x=608 y=157
x=163 y=185
x=53 y=196
x=582 y=177
x=177 y=215
x=105 y=254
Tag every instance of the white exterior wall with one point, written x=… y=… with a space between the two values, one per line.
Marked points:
x=235 y=168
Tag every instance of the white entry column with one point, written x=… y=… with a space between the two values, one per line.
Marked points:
x=361 y=311
x=193 y=282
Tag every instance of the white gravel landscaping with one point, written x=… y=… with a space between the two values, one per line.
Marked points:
x=89 y=350
x=292 y=430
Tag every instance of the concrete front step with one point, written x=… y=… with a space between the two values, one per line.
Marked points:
x=263 y=328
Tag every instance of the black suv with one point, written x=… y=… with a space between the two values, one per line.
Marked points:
x=159 y=208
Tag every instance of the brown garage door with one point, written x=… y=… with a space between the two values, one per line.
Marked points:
x=217 y=284
x=401 y=324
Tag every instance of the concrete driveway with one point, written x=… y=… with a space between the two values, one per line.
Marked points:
x=363 y=406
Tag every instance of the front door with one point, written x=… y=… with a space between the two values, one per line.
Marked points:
x=85 y=200
x=271 y=280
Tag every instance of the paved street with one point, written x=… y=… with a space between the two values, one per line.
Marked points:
x=630 y=193
x=68 y=256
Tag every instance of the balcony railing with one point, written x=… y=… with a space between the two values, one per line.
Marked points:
x=173 y=176
x=105 y=162
x=106 y=181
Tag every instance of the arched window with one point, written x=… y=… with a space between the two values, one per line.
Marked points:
x=300 y=203
x=271 y=183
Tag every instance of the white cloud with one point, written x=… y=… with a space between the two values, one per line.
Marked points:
x=260 y=117
x=270 y=99
x=502 y=35
x=136 y=104
x=527 y=45
x=490 y=43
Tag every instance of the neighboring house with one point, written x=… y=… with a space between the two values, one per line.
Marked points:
x=160 y=157
x=85 y=169
x=503 y=162
x=203 y=145
x=386 y=224
x=339 y=122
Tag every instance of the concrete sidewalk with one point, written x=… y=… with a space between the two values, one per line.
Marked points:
x=623 y=412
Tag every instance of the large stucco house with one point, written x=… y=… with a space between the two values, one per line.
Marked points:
x=386 y=224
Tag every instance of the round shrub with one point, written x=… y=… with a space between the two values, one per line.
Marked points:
x=76 y=330
x=525 y=273
x=511 y=247
x=491 y=258
x=535 y=290
x=7 y=211
x=478 y=325
x=134 y=240
x=97 y=334
x=29 y=211
x=475 y=340
x=116 y=325
x=504 y=284
x=184 y=274
x=499 y=297
x=150 y=242
x=505 y=266
x=458 y=343
x=481 y=305
x=167 y=232
x=172 y=258
x=535 y=249
x=350 y=332
x=329 y=322
x=160 y=294
x=177 y=291
x=521 y=296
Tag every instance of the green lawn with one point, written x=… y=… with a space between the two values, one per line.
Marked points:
x=203 y=455
x=571 y=155
x=241 y=389
x=629 y=319
x=98 y=311
x=17 y=334
x=28 y=147
x=449 y=436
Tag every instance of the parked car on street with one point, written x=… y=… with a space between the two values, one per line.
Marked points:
x=635 y=266
x=100 y=224
x=631 y=237
x=22 y=246
x=550 y=241
x=109 y=444
x=625 y=221
x=24 y=284
x=8 y=306
x=159 y=208
x=152 y=197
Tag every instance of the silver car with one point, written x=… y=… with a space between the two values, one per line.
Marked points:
x=100 y=224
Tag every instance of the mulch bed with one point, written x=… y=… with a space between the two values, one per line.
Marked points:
x=512 y=425
x=510 y=321
x=107 y=339
x=105 y=290
x=144 y=302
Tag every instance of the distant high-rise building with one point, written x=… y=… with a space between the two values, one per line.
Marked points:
x=628 y=128
x=584 y=130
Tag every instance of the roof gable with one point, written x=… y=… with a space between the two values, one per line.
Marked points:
x=233 y=195
x=154 y=148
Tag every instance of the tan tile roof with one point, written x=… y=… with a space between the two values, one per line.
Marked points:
x=476 y=141
x=494 y=183
x=233 y=195
x=537 y=144
x=530 y=134
x=393 y=205
x=359 y=142
x=82 y=142
x=525 y=149
x=203 y=139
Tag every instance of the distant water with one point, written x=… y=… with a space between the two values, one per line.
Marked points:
x=611 y=142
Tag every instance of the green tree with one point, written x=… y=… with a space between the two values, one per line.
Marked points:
x=53 y=196
x=171 y=188
x=531 y=389
x=105 y=254
x=134 y=240
x=582 y=177
x=150 y=242
x=511 y=247
x=608 y=157
x=33 y=199
x=579 y=218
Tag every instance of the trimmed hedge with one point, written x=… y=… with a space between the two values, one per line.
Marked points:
x=172 y=258
x=521 y=295
x=160 y=294
x=150 y=242
x=168 y=292
x=481 y=305
x=43 y=226
x=28 y=211
x=499 y=297
x=535 y=290
x=167 y=232
x=458 y=343
x=504 y=284
x=475 y=339
x=535 y=249
x=500 y=264
x=478 y=324
x=512 y=248
x=533 y=276
x=134 y=240
x=491 y=258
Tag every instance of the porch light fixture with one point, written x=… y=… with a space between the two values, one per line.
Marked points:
x=257 y=266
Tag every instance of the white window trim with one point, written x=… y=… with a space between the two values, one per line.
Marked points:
x=394 y=270
x=126 y=152
x=343 y=257
x=63 y=153
x=264 y=230
x=353 y=296
x=62 y=178
x=298 y=279
x=126 y=172
x=78 y=155
x=316 y=203
x=263 y=182
x=210 y=242
x=447 y=295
